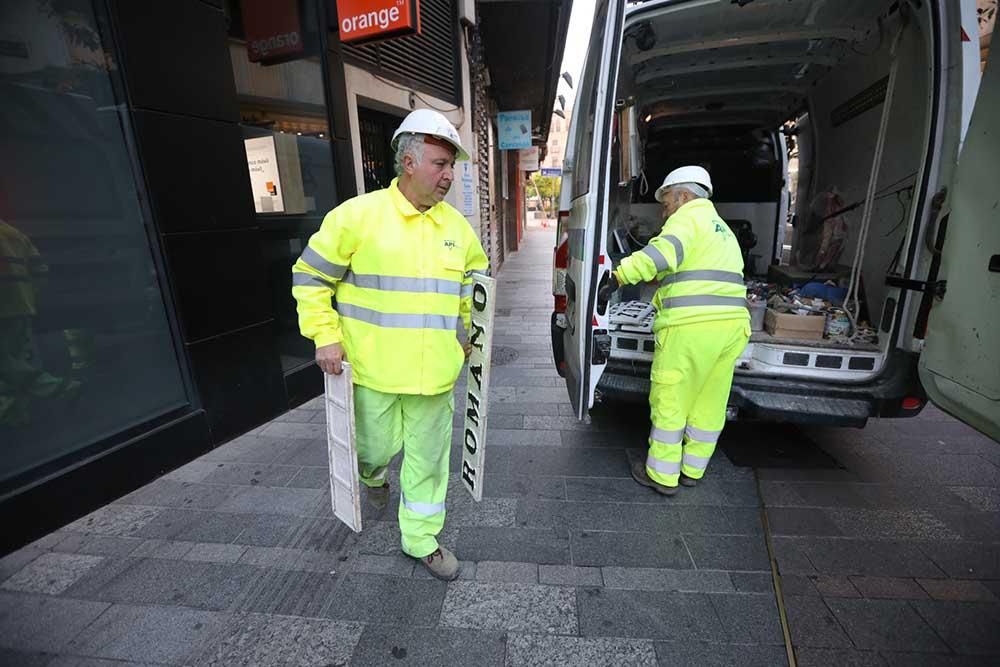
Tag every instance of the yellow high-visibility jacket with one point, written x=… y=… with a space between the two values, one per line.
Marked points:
x=697 y=261
x=402 y=282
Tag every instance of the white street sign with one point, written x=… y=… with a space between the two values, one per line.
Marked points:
x=476 y=399
x=345 y=491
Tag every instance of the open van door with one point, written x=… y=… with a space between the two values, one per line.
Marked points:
x=585 y=198
x=960 y=364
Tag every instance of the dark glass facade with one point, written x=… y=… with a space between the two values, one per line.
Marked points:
x=157 y=185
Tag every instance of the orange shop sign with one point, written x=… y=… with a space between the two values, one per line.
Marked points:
x=369 y=20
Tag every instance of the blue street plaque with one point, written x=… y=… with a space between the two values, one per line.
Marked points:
x=551 y=171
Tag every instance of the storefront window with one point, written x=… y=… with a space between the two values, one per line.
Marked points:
x=274 y=48
x=86 y=351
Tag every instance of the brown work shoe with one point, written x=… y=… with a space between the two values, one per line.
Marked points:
x=639 y=474
x=442 y=564
x=688 y=481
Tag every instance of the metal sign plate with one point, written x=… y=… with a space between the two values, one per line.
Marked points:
x=345 y=490
x=477 y=394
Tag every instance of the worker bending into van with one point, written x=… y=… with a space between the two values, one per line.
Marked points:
x=702 y=326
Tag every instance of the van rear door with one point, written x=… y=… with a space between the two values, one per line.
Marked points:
x=585 y=190
x=960 y=364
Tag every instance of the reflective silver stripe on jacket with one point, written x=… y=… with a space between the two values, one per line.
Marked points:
x=678 y=247
x=686 y=301
x=398 y=320
x=300 y=279
x=663 y=467
x=315 y=260
x=426 y=509
x=667 y=437
x=402 y=284
x=702 y=436
x=715 y=276
x=654 y=254
x=467 y=290
x=696 y=462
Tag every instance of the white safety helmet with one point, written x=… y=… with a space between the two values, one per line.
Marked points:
x=690 y=174
x=430 y=122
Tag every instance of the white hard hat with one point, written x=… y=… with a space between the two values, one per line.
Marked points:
x=690 y=174
x=430 y=122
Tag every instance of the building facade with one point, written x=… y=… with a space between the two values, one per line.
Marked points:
x=165 y=164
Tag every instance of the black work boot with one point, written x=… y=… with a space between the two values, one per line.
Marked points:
x=688 y=481
x=639 y=474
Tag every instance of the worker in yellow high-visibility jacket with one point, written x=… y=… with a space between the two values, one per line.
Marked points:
x=702 y=326
x=399 y=262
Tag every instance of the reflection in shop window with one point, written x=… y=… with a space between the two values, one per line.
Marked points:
x=86 y=351
x=283 y=115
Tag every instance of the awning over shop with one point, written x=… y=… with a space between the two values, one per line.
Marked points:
x=523 y=42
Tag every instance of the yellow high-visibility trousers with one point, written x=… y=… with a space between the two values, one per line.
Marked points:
x=421 y=427
x=691 y=378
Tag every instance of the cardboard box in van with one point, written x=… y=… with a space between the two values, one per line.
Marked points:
x=798 y=327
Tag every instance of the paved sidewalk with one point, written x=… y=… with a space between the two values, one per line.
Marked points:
x=235 y=558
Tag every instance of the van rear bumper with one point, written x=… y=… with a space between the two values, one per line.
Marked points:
x=794 y=401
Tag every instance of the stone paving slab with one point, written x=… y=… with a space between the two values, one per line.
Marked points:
x=594 y=549
x=375 y=599
x=31 y=623
x=541 y=649
x=889 y=625
x=704 y=654
x=648 y=615
x=512 y=607
x=51 y=573
x=165 y=635
x=198 y=585
x=447 y=647
x=289 y=593
x=261 y=639
x=653 y=579
x=98 y=545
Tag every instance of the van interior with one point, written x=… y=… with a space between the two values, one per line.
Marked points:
x=813 y=119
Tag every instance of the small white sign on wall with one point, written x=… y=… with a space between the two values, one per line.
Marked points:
x=265 y=181
x=466 y=177
x=527 y=159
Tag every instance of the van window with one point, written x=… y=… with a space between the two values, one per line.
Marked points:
x=583 y=144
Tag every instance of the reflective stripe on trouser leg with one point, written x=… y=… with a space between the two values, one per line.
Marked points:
x=699 y=445
x=663 y=460
x=423 y=480
x=708 y=414
x=378 y=422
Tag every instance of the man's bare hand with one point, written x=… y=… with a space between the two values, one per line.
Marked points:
x=330 y=358
x=468 y=350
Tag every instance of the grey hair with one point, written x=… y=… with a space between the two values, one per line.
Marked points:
x=411 y=144
x=693 y=188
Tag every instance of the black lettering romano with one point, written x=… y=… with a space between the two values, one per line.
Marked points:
x=472 y=413
x=479 y=297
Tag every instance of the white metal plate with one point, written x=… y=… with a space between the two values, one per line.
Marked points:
x=345 y=490
x=477 y=394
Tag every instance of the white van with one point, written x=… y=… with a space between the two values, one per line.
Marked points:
x=873 y=98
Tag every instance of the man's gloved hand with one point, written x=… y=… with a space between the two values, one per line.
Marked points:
x=609 y=288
